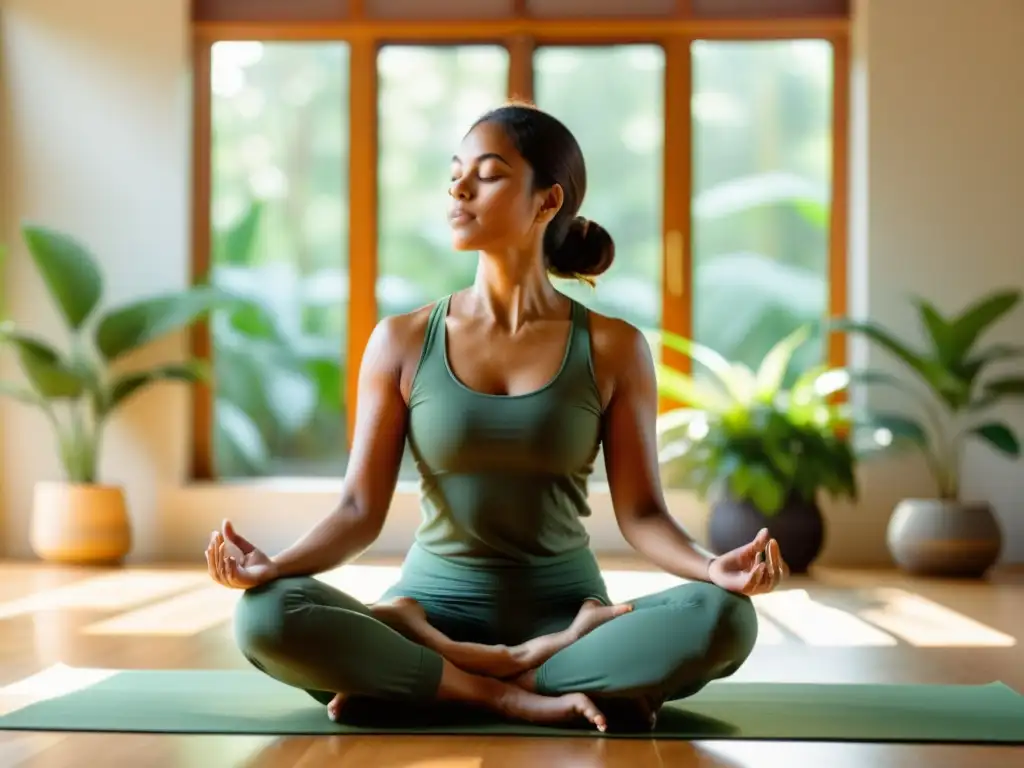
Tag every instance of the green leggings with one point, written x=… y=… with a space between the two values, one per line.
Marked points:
x=310 y=635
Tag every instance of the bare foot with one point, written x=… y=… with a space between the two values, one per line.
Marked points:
x=551 y=710
x=335 y=705
x=593 y=614
x=407 y=616
x=403 y=614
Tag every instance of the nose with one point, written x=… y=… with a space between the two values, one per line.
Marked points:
x=459 y=190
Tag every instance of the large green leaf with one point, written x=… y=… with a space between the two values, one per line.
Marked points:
x=735 y=379
x=972 y=367
x=689 y=391
x=50 y=376
x=235 y=244
x=999 y=436
x=973 y=321
x=943 y=382
x=1009 y=385
x=69 y=271
x=938 y=329
x=773 y=366
x=134 y=325
x=756 y=483
x=128 y=384
x=238 y=436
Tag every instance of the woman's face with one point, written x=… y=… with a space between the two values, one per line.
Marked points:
x=492 y=204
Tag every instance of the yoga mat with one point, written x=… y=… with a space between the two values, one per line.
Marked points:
x=247 y=702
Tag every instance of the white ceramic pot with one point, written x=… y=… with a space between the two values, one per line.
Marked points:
x=938 y=537
x=80 y=524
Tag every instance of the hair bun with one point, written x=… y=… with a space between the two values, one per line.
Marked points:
x=586 y=251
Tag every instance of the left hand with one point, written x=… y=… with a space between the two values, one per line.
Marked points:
x=743 y=571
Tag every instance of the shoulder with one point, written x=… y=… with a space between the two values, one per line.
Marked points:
x=616 y=343
x=396 y=343
x=620 y=353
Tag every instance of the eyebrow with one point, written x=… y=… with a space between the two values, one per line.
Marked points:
x=485 y=156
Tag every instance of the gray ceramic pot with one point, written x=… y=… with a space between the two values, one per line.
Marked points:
x=937 y=537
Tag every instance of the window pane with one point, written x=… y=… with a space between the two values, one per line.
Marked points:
x=762 y=155
x=280 y=233
x=428 y=98
x=612 y=99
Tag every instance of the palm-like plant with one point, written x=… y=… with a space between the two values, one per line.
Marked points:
x=744 y=434
x=79 y=389
x=957 y=394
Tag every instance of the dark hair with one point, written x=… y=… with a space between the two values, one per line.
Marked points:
x=574 y=247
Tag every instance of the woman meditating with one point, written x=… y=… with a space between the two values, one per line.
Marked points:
x=504 y=392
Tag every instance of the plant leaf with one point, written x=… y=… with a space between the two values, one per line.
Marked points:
x=235 y=244
x=973 y=321
x=714 y=362
x=948 y=386
x=15 y=392
x=901 y=428
x=69 y=271
x=128 y=384
x=969 y=370
x=772 y=370
x=938 y=329
x=49 y=375
x=999 y=436
x=134 y=325
x=238 y=434
x=688 y=391
x=1010 y=385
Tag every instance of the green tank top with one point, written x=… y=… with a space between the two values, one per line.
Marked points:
x=504 y=477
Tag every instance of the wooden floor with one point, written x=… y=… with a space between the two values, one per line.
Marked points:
x=837 y=627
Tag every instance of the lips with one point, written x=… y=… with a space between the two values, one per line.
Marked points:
x=459 y=216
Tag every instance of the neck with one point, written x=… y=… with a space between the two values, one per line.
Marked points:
x=513 y=288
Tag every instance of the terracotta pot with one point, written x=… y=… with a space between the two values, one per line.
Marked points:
x=80 y=524
x=938 y=537
x=798 y=527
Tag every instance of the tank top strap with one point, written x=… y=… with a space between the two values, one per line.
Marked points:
x=581 y=361
x=433 y=341
x=432 y=363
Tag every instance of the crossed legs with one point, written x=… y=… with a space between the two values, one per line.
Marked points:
x=312 y=636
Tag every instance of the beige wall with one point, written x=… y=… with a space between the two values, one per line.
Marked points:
x=96 y=131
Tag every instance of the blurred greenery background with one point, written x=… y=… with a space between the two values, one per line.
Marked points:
x=761 y=154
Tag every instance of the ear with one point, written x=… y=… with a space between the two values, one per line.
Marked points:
x=550 y=203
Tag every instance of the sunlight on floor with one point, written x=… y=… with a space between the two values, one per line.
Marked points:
x=168 y=603
x=182 y=615
x=110 y=592
x=57 y=680
x=926 y=624
x=817 y=624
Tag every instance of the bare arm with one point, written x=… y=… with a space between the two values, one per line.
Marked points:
x=631 y=455
x=373 y=465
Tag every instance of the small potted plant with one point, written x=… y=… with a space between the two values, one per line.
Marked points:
x=759 y=451
x=948 y=535
x=80 y=519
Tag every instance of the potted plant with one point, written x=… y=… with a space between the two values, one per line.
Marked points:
x=760 y=451
x=947 y=534
x=80 y=519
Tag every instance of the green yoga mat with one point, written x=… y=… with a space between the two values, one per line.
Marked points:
x=247 y=702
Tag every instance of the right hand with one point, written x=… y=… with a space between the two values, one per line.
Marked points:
x=234 y=562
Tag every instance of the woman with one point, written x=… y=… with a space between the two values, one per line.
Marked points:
x=504 y=391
